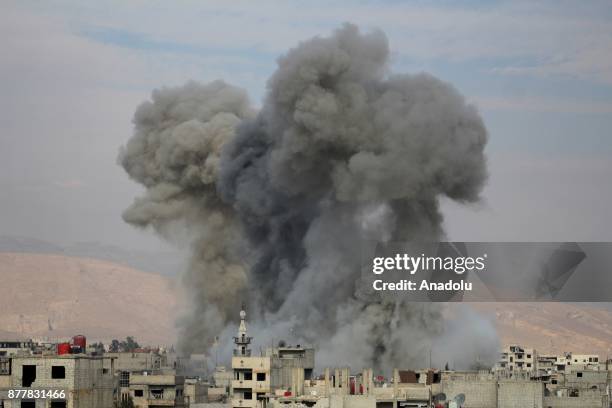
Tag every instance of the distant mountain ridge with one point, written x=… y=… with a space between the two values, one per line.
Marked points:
x=167 y=263
x=554 y=327
x=57 y=296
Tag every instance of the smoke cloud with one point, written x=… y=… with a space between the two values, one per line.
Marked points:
x=279 y=201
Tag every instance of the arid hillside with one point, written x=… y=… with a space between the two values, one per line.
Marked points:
x=57 y=296
x=554 y=327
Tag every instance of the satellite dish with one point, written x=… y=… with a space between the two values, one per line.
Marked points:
x=460 y=399
x=439 y=397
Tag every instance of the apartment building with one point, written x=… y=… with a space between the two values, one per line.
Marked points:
x=156 y=390
x=68 y=381
x=517 y=358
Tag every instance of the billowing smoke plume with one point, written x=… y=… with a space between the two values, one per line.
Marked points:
x=280 y=201
x=175 y=153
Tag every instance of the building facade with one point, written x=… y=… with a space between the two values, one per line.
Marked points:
x=68 y=381
x=157 y=390
x=251 y=375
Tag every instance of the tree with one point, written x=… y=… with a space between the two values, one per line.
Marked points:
x=114 y=346
x=129 y=344
x=98 y=347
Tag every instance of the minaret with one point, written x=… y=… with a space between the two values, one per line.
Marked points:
x=242 y=341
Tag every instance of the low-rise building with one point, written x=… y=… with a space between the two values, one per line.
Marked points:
x=283 y=362
x=154 y=390
x=67 y=381
x=15 y=345
x=251 y=375
x=517 y=358
x=196 y=391
x=136 y=361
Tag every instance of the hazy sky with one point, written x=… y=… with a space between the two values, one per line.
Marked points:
x=72 y=73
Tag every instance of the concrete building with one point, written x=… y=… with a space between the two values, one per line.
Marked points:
x=448 y=389
x=125 y=364
x=14 y=345
x=221 y=385
x=584 y=361
x=251 y=375
x=136 y=361
x=195 y=391
x=478 y=388
x=84 y=381
x=284 y=360
x=339 y=388
x=517 y=358
x=156 y=390
x=222 y=378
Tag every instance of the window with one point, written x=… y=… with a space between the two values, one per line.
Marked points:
x=248 y=395
x=528 y=364
x=28 y=375
x=248 y=375
x=58 y=404
x=58 y=372
x=5 y=366
x=28 y=404
x=124 y=379
x=138 y=393
x=579 y=375
x=157 y=393
x=261 y=376
x=528 y=355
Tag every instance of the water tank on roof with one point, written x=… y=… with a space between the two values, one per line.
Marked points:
x=80 y=341
x=63 y=348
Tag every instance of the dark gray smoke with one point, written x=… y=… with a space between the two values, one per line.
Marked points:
x=279 y=202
